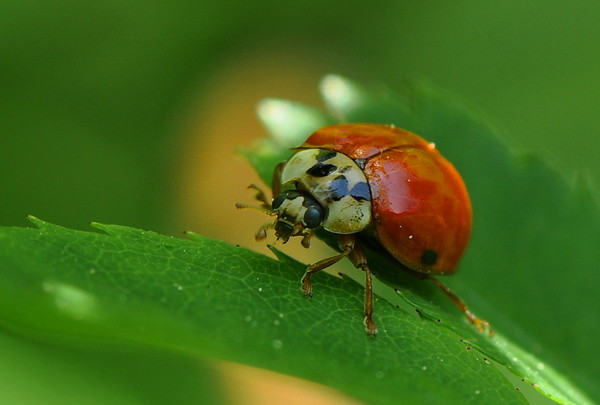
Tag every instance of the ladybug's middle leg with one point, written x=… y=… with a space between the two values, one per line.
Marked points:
x=352 y=248
x=359 y=260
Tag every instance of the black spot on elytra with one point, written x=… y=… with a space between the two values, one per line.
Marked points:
x=321 y=169
x=339 y=188
x=361 y=191
x=429 y=257
x=325 y=154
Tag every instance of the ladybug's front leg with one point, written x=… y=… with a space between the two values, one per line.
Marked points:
x=321 y=265
x=260 y=196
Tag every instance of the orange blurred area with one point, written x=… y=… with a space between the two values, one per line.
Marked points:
x=211 y=174
x=253 y=386
x=211 y=177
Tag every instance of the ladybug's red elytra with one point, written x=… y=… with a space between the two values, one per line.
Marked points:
x=377 y=182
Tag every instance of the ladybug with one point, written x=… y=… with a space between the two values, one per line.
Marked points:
x=373 y=182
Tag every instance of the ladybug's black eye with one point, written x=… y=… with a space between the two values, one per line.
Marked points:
x=313 y=216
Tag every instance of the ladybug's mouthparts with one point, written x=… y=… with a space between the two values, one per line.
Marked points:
x=283 y=230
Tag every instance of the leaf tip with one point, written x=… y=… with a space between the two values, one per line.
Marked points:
x=37 y=222
x=100 y=226
x=282 y=257
x=193 y=235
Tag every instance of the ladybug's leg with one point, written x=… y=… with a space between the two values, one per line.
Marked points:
x=261 y=234
x=276 y=181
x=350 y=247
x=261 y=196
x=265 y=203
x=359 y=260
x=479 y=323
x=323 y=264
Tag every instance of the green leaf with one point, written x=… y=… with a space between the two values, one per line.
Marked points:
x=208 y=298
x=205 y=298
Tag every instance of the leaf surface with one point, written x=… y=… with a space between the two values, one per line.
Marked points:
x=208 y=298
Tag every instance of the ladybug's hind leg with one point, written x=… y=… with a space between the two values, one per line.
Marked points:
x=352 y=248
x=481 y=324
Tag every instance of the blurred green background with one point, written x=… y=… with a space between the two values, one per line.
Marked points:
x=130 y=112
x=105 y=105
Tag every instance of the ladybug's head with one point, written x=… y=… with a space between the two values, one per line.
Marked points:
x=297 y=213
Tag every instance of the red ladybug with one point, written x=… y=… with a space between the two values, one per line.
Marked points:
x=380 y=182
